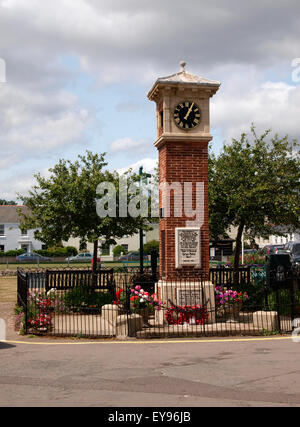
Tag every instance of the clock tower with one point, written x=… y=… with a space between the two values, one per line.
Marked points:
x=183 y=133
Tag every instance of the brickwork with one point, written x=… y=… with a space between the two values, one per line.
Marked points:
x=181 y=162
x=183 y=158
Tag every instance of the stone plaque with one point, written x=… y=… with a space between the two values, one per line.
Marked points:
x=188 y=247
x=189 y=297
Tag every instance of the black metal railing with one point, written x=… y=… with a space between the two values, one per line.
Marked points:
x=71 y=303
x=225 y=275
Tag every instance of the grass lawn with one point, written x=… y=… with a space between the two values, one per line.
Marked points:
x=8 y=289
x=54 y=265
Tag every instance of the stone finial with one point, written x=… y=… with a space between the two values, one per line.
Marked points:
x=183 y=64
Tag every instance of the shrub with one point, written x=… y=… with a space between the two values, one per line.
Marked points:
x=58 y=251
x=83 y=298
x=12 y=253
x=149 y=246
x=118 y=250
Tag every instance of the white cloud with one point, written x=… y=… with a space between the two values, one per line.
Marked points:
x=19 y=183
x=269 y=105
x=128 y=144
x=134 y=42
x=33 y=124
x=148 y=166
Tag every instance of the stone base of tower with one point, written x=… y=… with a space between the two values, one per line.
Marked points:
x=186 y=294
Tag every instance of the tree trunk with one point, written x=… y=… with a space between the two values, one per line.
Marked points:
x=94 y=275
x=238 y=247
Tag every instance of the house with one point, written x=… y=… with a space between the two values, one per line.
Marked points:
x=130 y=243
x=221 y=249
x=272 y=240
x=12 y=237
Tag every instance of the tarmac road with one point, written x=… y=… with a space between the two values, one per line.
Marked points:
x=178 y=373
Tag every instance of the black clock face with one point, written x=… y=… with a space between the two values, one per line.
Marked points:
x=187 y=115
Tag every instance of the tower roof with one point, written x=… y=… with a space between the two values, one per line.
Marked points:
x=181 y=78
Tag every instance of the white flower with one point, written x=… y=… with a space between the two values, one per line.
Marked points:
x=52 y=291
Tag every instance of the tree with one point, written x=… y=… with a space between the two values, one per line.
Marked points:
x=118 y=250
x=255 y=186
x=150 y=246
x=64 y=205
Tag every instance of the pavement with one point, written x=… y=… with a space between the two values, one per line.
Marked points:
x=236 y=372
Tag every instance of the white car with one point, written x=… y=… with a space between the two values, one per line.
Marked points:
x=82 y=257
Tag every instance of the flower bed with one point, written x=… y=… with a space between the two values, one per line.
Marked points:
x=41 y=307
x=224 y=296
x=188 y=314
x=140 y=301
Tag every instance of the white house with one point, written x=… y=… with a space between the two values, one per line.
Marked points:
x=272 y=240
x=11 y=235
x=130 y=243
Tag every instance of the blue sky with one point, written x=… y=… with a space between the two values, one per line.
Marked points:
x=78 y=73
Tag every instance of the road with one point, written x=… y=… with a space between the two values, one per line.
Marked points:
x=182 y=373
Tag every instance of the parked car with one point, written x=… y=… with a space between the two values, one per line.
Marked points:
x=32 y=257
x=271 y=249
x=81 y=257
x=293 y=248
x=132 y=256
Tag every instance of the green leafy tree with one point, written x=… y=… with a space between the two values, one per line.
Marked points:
x=64 y=205
x=149 y=246
x=118 y=250
x=254 y=185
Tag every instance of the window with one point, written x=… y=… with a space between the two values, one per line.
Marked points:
x=161 y=117
x=105 y=249
x=2 y=249
x=1 y=229
x=82 y=246
x=24 y=232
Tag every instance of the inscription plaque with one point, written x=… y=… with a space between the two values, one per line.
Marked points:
x=189 y=297
x=188 y=247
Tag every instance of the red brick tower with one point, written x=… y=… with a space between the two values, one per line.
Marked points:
x=183 y=134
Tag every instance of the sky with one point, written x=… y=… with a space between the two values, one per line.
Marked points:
x=74 y=76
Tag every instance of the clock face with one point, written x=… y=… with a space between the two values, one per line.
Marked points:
x=187 y=115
